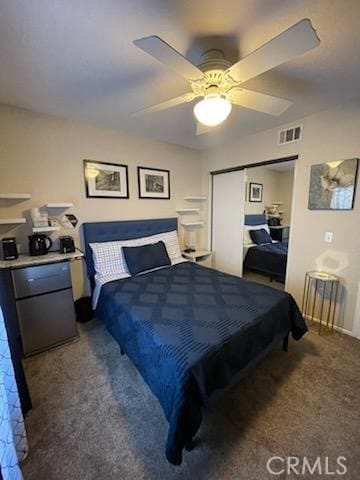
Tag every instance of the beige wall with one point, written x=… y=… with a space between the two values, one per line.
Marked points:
x=285 y=186
x=277 y=186
x=44 y=155
x=269 y=181
x=327 y=136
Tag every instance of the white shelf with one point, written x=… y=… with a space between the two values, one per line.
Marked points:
x=45 y=229
x=59 y=205
x=196 y=254
x=12 y=221
x=15 y=196
x=195 y=199
x=182 y=211
x=192 y=224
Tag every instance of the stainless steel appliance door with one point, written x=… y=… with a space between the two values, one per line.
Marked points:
x=46 y=320
x=30 y=281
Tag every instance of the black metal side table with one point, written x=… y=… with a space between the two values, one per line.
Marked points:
x=319 y=286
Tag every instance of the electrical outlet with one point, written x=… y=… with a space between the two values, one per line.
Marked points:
x=328 y=237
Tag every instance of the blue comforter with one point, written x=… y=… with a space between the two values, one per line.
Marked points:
x=189 y=330
x=270 y=258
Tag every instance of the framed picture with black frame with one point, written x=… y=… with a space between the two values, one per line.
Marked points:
x=106 y=180
x=255 y=192
x=154 y=183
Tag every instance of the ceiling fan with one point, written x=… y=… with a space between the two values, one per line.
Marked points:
x=219 y=83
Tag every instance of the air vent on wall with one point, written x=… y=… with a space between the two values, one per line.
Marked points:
x=293 y=134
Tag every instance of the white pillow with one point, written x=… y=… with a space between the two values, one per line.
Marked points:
x=247 y=228
x=171 y=243
x=109 y=259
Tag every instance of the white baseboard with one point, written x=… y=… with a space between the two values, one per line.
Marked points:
x=336 y=327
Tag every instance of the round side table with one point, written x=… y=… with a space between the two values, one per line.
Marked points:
x=319 y=286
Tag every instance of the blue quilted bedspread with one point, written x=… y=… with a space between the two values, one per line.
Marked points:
x=270 y=258
x=189 y=330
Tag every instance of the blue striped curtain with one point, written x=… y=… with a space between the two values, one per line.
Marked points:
x=13 y=443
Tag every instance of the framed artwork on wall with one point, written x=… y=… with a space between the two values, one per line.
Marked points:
x=106 y=180
x=255 y=192
x=332 y=185
x=154 y=183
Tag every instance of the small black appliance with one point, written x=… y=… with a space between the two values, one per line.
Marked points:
x=39 y=244
x=9 y=248
x=67 y=244
x=274 y=222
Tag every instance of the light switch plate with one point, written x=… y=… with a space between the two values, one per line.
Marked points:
x=329 y=237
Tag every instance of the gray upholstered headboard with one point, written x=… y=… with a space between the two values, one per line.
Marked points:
x=122 y=230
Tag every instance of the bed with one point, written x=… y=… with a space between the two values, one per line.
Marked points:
x=269 y=259
x=188 y=329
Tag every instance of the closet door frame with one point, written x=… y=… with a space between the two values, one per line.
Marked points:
x=244 y=167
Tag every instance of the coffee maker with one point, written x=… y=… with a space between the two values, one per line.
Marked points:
x=9 y=248
x=67 y=244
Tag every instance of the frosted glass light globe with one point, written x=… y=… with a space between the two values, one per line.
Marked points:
x=212 y=111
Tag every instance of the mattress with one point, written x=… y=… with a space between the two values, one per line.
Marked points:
x=270 y=258
x=190 y=330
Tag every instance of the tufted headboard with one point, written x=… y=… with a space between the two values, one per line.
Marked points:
x=121 y=230
x=255 y=219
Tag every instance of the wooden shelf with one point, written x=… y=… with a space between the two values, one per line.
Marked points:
x=59 y=205
x=45 y=229
x=15 y=196
x=195 y=199
x=192 y=224
x=182 y=211
x=12 y=221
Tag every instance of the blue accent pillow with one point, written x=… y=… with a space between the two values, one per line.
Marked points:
x=146 y=257
x=260 y=236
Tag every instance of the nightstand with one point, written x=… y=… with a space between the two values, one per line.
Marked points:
x=203 y=257
x=280 y=233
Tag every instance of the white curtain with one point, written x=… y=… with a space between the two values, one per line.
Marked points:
x=13 y=443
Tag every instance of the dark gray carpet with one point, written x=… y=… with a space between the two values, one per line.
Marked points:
x=94 y=417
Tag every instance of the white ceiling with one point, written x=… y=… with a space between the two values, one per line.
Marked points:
x=76 y=59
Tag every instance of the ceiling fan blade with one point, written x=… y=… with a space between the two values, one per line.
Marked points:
x=173 y=102
x=166 y=54
x=201 y=129
x=258 y=101
x=295 y=41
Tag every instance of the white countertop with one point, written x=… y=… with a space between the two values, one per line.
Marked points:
x=28 y=261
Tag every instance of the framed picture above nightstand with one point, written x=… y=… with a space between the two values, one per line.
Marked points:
x=255 y=192
x=203 y=257
x=154 y=183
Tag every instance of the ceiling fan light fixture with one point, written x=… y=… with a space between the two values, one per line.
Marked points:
x=212 y=110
